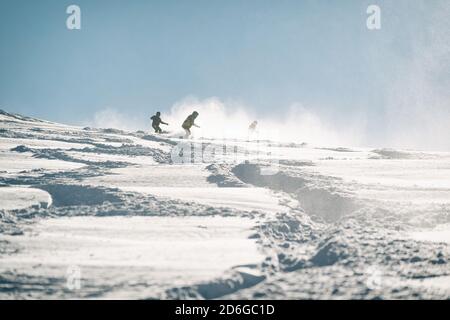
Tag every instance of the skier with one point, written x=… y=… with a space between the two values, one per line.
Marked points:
x=189 y=122
x=252 y=132
x=156 y=121
x=252 y=126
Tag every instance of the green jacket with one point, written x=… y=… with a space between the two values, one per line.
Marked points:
x=189 y=122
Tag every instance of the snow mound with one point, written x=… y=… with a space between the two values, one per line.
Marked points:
x=322 y=202
x=236 y=279
x=13 y=198
x=75 y=195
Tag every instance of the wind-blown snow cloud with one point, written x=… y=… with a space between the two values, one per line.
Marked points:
x=222 y=120
x=418 y=102
x=112 y=118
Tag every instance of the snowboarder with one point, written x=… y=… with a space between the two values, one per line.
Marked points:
x=156 y=121
x=189 y=122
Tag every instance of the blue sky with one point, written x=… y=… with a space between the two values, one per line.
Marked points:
x=138 y=56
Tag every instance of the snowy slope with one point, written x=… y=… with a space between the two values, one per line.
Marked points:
x=298 y=221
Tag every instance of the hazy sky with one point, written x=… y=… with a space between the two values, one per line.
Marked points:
x=140 y=56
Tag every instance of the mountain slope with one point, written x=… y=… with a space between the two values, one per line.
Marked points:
x=118 y=211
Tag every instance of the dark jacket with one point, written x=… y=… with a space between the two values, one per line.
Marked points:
x=156 y=121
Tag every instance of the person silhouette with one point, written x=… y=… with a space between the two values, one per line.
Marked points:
x=156 y=121
x=252 y=126
x=188 y=123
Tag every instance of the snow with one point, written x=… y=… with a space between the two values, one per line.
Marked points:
x=98 y=157
x=19 y=198
x=405 y=173
x=155 y=176
x=439 y=282
x=172 y=250
x=270 y=221
x=438 y=234
x=15 y=163
x=247 y=199
x=7 y=144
